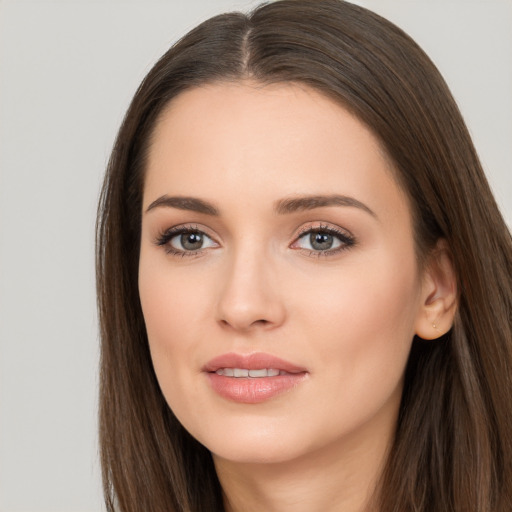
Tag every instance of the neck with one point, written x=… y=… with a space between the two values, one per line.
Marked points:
x=333 y=479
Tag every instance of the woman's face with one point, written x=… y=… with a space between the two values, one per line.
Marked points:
x=278 y=277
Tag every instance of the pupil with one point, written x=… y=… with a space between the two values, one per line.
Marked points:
x=321 y=241
x=191 y=241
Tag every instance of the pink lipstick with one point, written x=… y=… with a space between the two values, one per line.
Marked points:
x=252 y=378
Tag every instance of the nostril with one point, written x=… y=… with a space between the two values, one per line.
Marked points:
x=249 y=325
x=241 y=308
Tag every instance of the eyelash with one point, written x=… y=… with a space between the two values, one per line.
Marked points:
x=344 y=237
x=165 y=238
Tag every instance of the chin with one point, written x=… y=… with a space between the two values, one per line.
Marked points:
x=255 y=453
x=260 y=445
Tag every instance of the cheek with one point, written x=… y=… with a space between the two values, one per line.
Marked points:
x=174 y=308
x=365 y=322
x=174 y=299
x=169 y=302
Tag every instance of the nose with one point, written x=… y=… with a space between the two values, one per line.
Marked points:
x=251 y=296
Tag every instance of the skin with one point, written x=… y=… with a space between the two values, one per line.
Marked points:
x=257 y=285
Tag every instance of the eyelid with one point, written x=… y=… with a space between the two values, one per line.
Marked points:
x=346 y=238
x=323 y=226
x=164 y=238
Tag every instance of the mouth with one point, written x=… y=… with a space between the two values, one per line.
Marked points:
x=238 y=373
x=252 y=378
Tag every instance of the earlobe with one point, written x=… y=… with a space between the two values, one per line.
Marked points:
x=439 y=294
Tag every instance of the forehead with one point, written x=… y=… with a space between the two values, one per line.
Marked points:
x=263 y=141
x=283 y=112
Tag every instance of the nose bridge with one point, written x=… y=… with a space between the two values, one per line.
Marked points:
x=250 y=295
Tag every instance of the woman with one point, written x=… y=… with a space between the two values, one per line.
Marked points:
x=304 y=281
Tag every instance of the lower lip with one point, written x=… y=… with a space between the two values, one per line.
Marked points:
x=248 y=390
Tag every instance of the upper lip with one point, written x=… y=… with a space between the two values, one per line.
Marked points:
x=255 y=361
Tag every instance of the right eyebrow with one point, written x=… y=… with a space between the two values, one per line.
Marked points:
x=184 y=203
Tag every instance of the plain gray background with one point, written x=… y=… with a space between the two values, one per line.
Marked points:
x=67 y=72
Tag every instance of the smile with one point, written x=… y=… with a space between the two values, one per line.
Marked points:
x=252 y=378
x=244 y=372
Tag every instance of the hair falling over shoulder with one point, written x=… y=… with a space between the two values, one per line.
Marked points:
x=453 y=446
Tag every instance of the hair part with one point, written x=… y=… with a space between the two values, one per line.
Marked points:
x=453 y=445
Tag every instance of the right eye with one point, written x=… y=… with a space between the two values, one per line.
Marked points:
x=185 y=241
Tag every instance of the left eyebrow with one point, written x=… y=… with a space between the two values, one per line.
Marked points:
x=298 y=204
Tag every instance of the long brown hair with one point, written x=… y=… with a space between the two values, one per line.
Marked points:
x=453 y=445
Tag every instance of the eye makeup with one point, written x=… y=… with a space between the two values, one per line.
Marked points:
x=313 y=239
x=185 y=241
x=323 y=240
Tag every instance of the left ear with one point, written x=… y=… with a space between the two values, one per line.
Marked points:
x=438 y=294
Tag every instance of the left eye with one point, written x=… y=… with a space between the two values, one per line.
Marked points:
x=322 y=241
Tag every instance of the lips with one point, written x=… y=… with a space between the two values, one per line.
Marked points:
x=252 y=378
x=253 y=361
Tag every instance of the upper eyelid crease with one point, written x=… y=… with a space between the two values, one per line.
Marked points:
x=323 y=227
x=183 y=228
